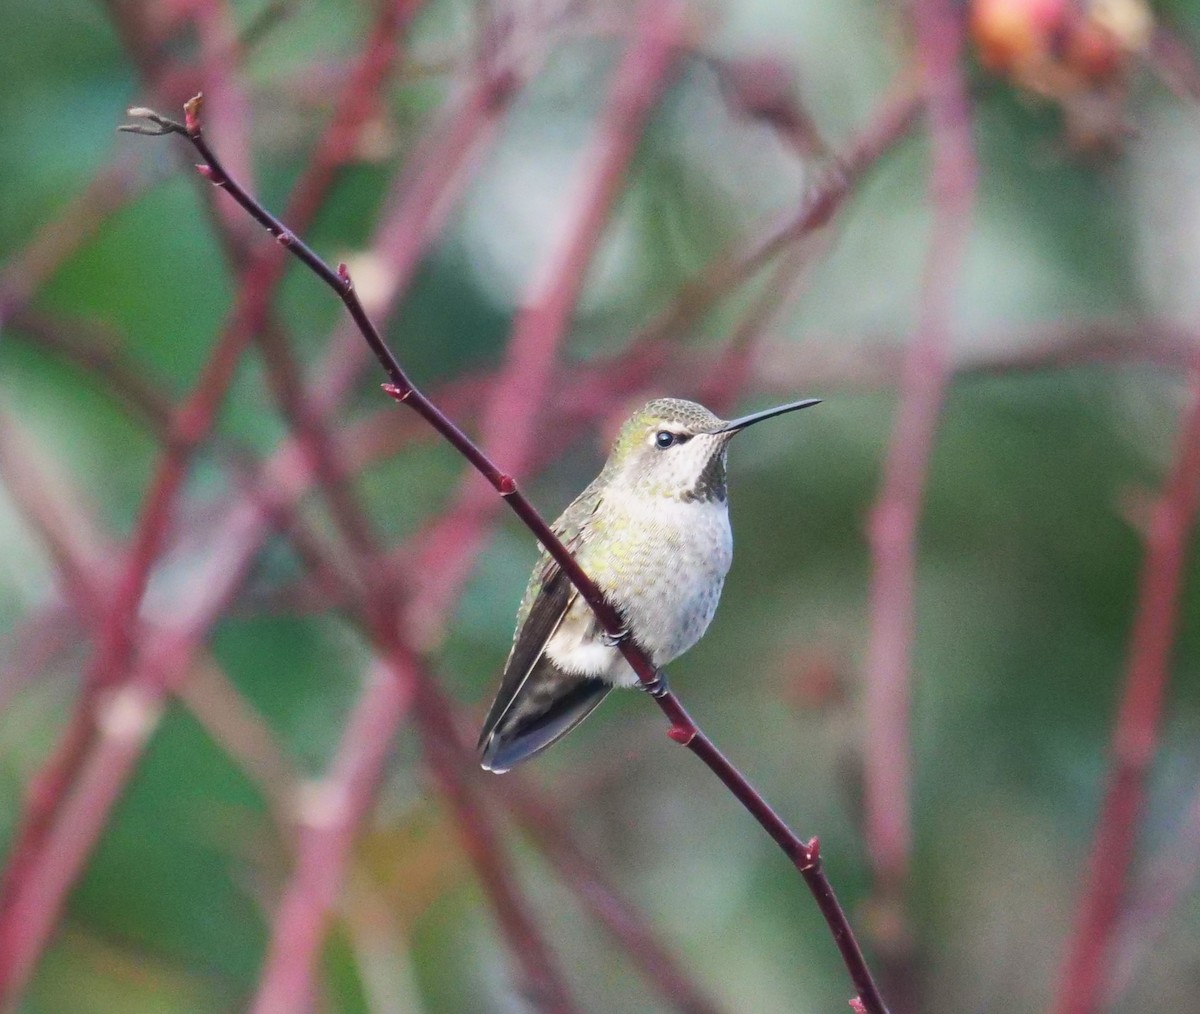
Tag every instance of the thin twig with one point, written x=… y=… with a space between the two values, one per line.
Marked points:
x=363 y=749
x=287 y=977
x=737 y=265
x=804 y=855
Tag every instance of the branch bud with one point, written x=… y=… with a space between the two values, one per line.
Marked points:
x=191 y=113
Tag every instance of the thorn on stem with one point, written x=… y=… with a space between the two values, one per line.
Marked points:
x=681 y=735
x=396 y=393
x=858 y=1006
x=343 y=273
x=207 y=172
x=812 y=858
x=286 y=239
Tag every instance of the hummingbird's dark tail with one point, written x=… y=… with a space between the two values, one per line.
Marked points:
x=548 y=706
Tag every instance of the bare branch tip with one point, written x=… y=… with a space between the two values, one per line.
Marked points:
x=153 y=124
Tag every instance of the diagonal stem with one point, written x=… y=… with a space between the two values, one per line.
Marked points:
x=1135 y=736
x=804 y=855
x=319 y=832
x=544 y=316
x=190 y=425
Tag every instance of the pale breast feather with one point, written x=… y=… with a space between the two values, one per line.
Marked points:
x=668 y=575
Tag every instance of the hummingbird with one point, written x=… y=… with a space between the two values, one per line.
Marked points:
x=652 y=530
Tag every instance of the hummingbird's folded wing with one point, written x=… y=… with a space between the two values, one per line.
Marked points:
x=545 y=613
x=537 y=702
x=540 y=716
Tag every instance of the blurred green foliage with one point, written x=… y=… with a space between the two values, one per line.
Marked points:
x=1029 y=550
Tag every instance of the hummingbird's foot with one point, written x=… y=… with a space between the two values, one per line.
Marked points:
x=612 y=640
x=657 y=687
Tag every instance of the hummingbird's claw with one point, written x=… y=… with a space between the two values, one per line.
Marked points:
x=612 y=640
x=657 y=687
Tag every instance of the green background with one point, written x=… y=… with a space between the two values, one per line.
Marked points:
x=1029 y=545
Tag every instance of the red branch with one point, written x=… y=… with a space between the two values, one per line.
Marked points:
x=895 y=517
x=544 y=317
x=330 y=812
x=804 y=855
x=190 y=425
x=50 y=871
x=360 y=762
x=1135 y=736
x=364 y=747
x=254 y=751
x=435 y=177
x=728 y=270
x=448 y=762
x=1152 y=906
x=287 y=977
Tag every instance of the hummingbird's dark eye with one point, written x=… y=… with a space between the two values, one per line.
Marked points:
x=664 y=438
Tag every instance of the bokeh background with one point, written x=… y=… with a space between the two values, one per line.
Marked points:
x=1072 y=320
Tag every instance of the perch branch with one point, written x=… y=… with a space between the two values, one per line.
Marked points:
x=804 y=855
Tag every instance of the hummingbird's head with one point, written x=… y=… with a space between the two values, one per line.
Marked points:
x=676 y=449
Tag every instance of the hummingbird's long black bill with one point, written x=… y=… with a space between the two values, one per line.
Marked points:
x=767 y=413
